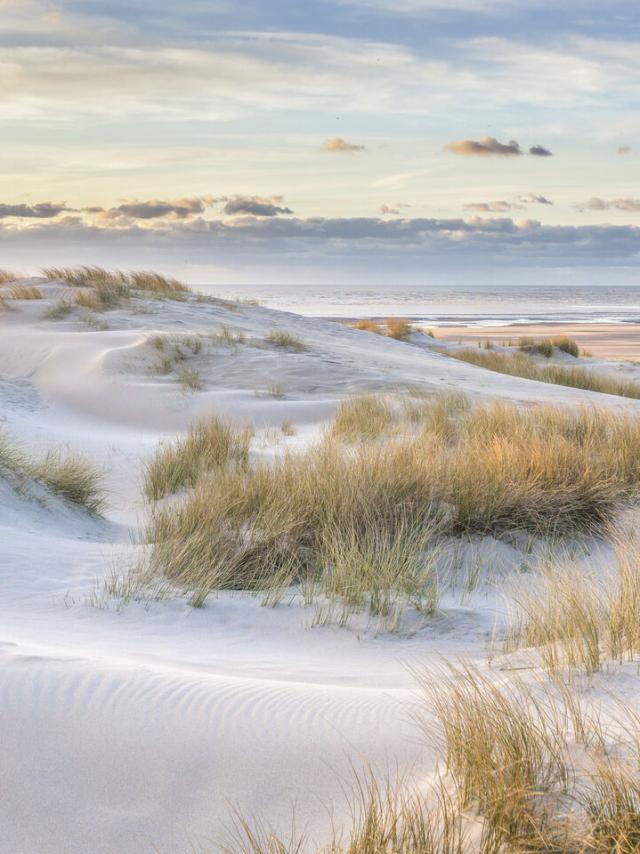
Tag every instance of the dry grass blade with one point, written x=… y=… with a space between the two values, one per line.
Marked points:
x=208 y=445
x=398 y=328
x=521 y=365
x=362 y=417
x=71 y=476
x=368 y=326
x=24 y=292
x=286 y=341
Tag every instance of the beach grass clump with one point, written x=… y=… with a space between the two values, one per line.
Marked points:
x=251 y=528
x=573 y=618
x=286 y=340
x=189 y=378
x=367 y=416
x=209 y=445
x=7 y=276
x=521 y=365
x=464 y=469
x=398 y=328
x=507 y=754
x=89 y=276
x=567 y=345
x=368 y=326
x=24 y=292
x=59 y=310
x=155 y=283
x=74 y=477
x=536 y=346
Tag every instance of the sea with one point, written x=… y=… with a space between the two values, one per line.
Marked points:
x=450 y=305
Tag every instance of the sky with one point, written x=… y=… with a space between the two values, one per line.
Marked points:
x=318 y=141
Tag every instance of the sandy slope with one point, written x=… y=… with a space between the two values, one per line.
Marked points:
x=133 y=730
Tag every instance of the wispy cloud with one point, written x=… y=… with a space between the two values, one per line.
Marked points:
x=597 y=204
x=255 y=206
x=499 y=206
x=338 y=145
x=155 y=208
x=486 y=145
x=42 y=210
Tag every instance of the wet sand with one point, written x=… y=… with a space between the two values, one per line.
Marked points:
x=601 y=340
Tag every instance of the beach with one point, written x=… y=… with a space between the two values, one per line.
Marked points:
x=616 y=341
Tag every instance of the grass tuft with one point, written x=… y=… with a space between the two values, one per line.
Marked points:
x=71 y=476
x=208 y=445
x=362 y=417
x=24 y=292
x=286 y=341
x=398 y=328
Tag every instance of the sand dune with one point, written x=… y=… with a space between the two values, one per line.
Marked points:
x=134 y=729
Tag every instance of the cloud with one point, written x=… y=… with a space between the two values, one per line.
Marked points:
x=536 y=199
x=371 y=242
x=597 y=204
x=255 y=206
x=338 y=145
x=486 y=145
x=394 y=210
x=493 y=207
x=43 y=210
x=625 y=149
x=540 y=151
x=155 y=208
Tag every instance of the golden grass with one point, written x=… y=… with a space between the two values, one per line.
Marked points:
x=398 y=328
x=208 y=445
x=25 y=292
x=513 y=785
x=506 y=751
x=387 y=819
x=368 y=326
x=286 y=341
x=521 y=365
x=333 y=511
x=73 y=477
x=545 y=346
x=97 y=277
x=573 y=618
x=7 y=276
x=392 y=327
x=368 y=416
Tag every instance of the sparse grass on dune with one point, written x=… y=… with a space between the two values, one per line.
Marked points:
x=207 y=446
x=110 y=280
x=147 y=280
x=545 y=346
x=575 y=619
x=7 y=276
x=368 y=326
x=190 y=379
x=387 y=819
x=528 y=771
x=24 y=292
x=285 y=340
x=393 y=327
x=71 y=476
x=398 y=328
x=521 y=365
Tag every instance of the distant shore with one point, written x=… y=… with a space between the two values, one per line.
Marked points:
x=601 y=340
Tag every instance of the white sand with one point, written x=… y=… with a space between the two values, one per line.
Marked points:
x=134 y=729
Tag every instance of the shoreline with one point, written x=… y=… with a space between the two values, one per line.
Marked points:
x=615 y=341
